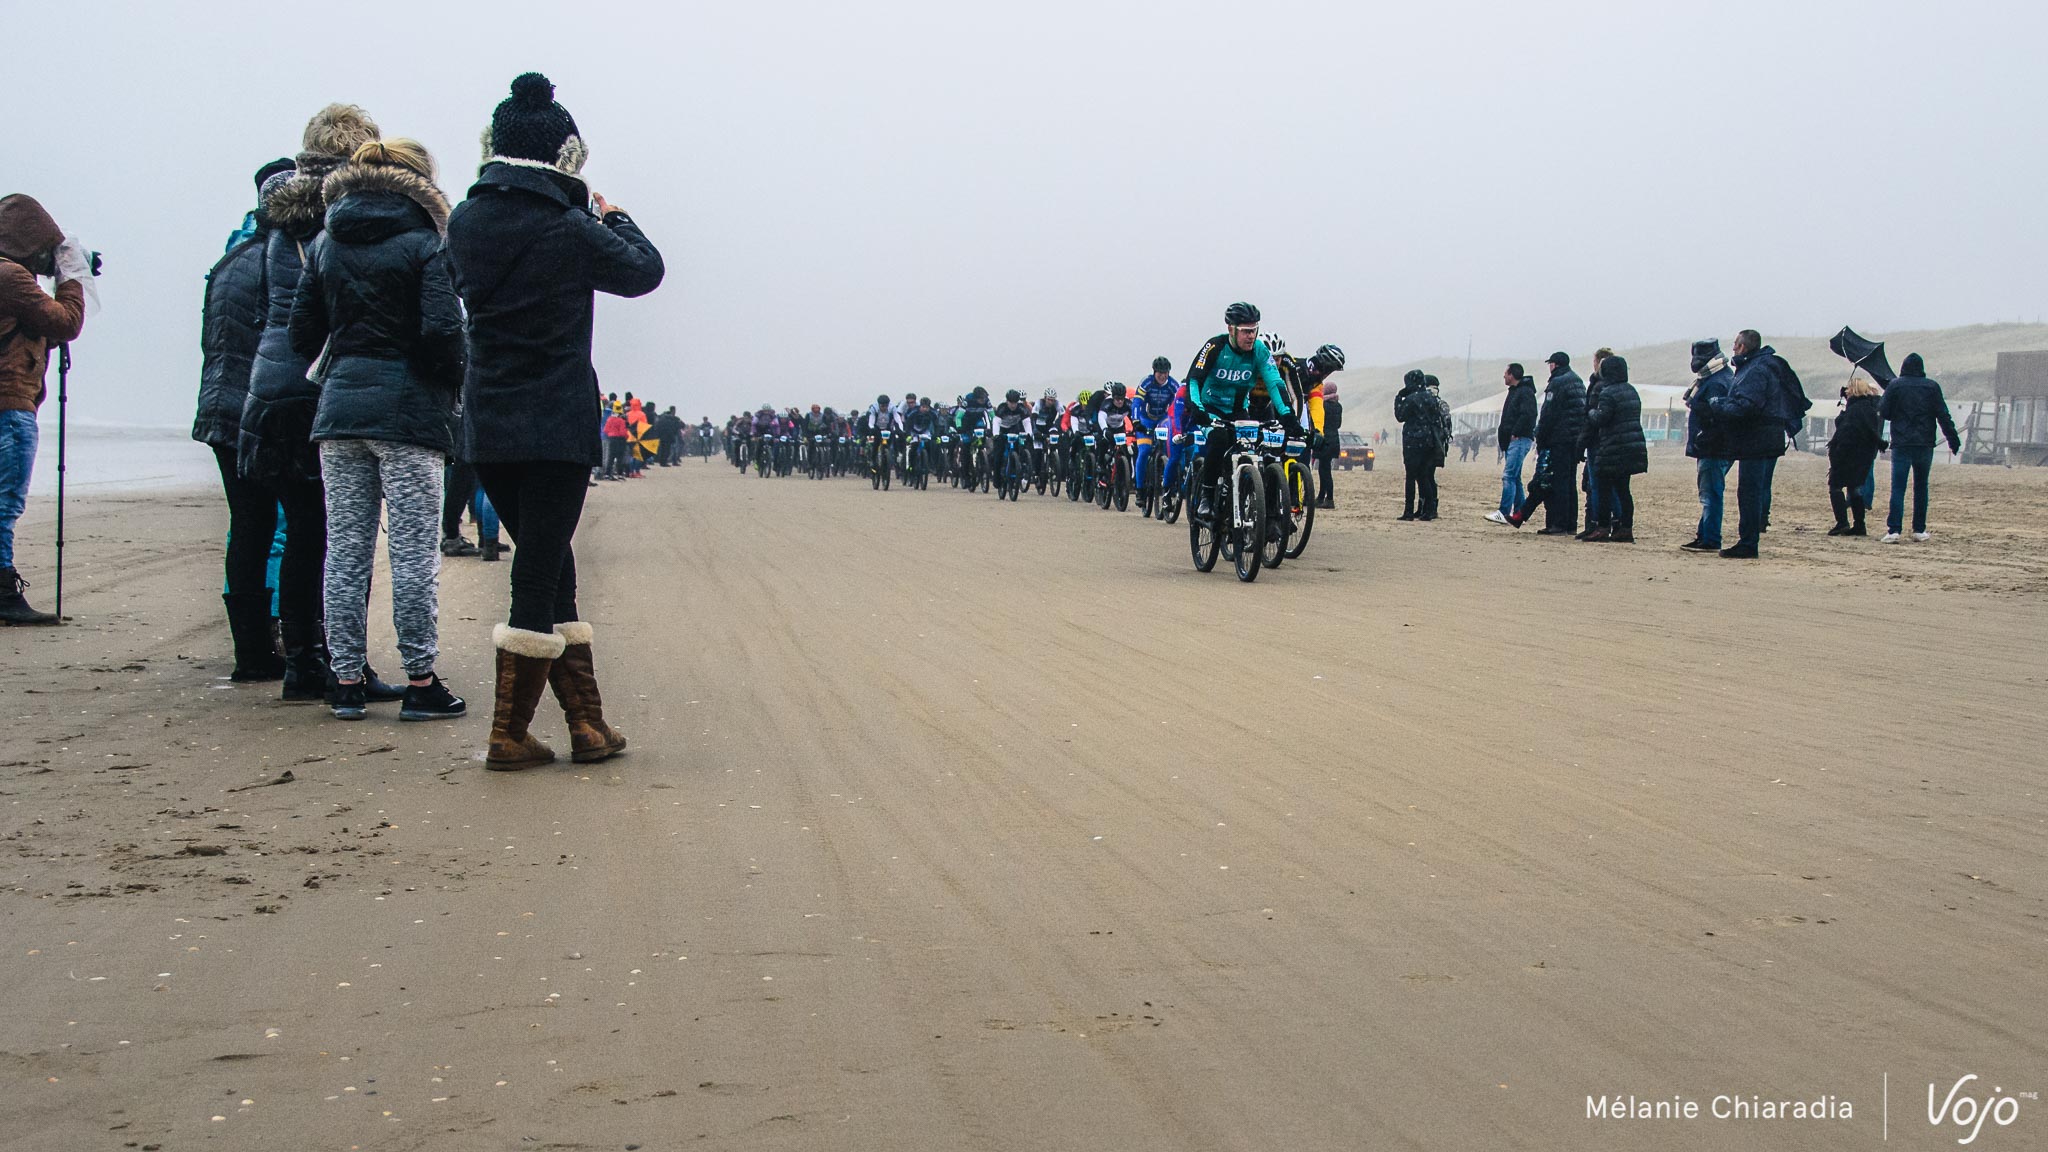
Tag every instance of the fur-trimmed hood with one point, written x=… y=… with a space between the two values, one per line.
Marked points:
x=296 y=206
x=405 y=182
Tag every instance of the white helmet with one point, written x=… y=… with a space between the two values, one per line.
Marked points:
x=1274 y=343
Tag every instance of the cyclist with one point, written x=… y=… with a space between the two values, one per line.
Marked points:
x=970 y=417
x=919 y=425
x=1045 y=418
x=880 y=416
x=1012 y=415
x=1113 y=415
x=1154 y=404
x=1220 y=385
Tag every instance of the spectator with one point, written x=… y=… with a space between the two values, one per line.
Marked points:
x=529 y=253
x=1705 y=443
x=1558 y=427
x=1757 y=415
x=31 y=245
x=1517 y=437
x=230 y=324
x=1623 y=451
x=1859 y=437
x=275 y=448
x=1327 y=446
x=374 y=294
x=1914 y=405
x=1422 y=446
x=616 y=443
x=1589 y=441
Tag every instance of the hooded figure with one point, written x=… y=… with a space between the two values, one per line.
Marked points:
x=275 y=442
x=530 y=249
x=1859 y=437
x=31 y=323
x=230 y=328
x=1615 y=423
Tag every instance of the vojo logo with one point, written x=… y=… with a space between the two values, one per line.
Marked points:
x=1968 y=1113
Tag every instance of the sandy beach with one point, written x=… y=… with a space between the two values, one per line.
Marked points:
x=953 y=825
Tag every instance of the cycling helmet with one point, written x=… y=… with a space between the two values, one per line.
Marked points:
x=1083 y=397
x=980 y=393
x=1274 y=343
x=1240 y=313
x=1330 y=357
x=1116 y=391
x=883 y=399
x=1161 y=364
x=1052 y=394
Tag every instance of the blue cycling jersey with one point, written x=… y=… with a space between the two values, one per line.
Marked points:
x=1154 y=400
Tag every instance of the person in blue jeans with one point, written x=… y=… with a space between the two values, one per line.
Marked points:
x=1517 y=438
x=1711 y=378
x=1914 y=406
x=33 y=324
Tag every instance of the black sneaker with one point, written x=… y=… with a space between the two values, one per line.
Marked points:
x=1698 y=545
x=432 y=701
x=377 y=690
x=1739 y=552
x=349 y=701
x=457 y=546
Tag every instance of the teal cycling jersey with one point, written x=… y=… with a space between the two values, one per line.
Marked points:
x=1221 y=379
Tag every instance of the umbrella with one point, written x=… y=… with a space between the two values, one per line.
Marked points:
x=645 y=444
x=1865 y=354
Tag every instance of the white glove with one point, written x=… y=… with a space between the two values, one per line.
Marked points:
x=74 y=262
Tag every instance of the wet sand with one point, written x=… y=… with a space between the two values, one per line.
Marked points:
x=951 y=825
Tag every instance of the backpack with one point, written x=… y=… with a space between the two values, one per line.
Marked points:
x=1790 y=397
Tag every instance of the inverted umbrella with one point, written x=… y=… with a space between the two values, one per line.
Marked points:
x=645 y=444
x=1865 y=354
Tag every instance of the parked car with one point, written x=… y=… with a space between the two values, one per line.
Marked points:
x=1354 y=452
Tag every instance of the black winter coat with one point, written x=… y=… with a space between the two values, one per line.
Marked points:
x=1589 y=436
x=1617 y=419
x=1333 y=423
x=1914 y=405
x=1518 y=413
x=1421 y=417
x=1751 y=418
x=276 y=438
x=1859 y=437
x=528 y=258
x=230 y=325
x=1563 y=417
x=375 y=292
x=1702 y=440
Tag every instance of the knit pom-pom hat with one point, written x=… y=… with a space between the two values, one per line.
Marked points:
x=530 y=130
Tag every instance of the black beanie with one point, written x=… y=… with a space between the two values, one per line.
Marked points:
x=529 y=128
x=284 y=164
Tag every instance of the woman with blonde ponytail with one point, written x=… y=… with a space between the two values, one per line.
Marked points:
x=376 y=305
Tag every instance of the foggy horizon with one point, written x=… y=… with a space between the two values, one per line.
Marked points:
x=924 y=198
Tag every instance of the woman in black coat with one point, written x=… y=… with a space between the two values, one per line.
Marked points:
x=230 y=326
x=1859 y=437
x=374 y=298
x=1617 y=417
x=530 y=248
x=275 y=441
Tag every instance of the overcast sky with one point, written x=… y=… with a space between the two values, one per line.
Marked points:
x=922 y=197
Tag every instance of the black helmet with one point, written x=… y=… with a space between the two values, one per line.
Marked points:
x=883 y=399
x=1161 y=364
x=980 y=392
x=1116 y=390
x=1330 y=357
x=1013 y=396
x=1240 y=313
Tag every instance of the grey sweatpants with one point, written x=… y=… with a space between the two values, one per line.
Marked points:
x=405 y=480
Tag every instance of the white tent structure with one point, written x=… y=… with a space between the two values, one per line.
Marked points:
x=1663 y=413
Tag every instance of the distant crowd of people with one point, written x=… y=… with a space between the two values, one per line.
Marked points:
x=1743 y=411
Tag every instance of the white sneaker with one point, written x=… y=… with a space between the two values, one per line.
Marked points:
x=1496 y=517
x=1920 y=537
x=1890 y=538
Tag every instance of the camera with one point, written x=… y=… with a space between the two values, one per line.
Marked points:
x=92 y=260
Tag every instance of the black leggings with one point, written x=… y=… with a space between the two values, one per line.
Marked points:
x=1419 y=496
x=539 y=502
x=456 y=494
x=303 y=570
x=1323 y=473
x=252 y=525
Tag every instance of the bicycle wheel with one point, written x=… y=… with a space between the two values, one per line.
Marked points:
x=1205 y=539
x=1120 y=484
x=1273 y=545
x=1301 y=495
x=1248 y=520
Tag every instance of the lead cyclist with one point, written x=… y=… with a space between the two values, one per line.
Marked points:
x=1220 y=384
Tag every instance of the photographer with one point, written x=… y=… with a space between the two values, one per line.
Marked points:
x=31 y=322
